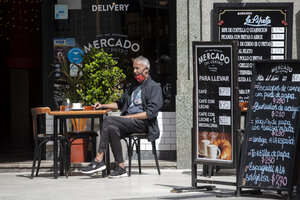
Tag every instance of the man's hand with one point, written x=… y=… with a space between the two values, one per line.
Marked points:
x=98 y=105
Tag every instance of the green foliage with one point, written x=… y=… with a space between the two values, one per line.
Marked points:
x=100 y=78
x=125 y=64
x=69 y=83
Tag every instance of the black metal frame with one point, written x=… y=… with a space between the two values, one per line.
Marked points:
x=89 y=136
x=39 y=142
x=298 y=186
x=47 y=50
x=134 y=139
x=235 y=123
x=235 y=114
x=62 y=118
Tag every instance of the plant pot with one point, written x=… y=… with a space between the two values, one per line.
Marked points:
x=79 y=147
x=78 y=151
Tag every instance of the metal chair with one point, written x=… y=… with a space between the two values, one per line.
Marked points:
x=41 y=138
x=79 y=132
x=134 y=140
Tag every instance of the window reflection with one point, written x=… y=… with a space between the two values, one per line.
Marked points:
x=126 y=29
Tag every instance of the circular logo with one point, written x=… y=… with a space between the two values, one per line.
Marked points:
x=75 y=55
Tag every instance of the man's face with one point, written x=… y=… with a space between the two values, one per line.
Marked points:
x=138 y=68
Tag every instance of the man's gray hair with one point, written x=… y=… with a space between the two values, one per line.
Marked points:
x=143 y=60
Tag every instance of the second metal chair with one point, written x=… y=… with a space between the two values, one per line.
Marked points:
x=134 y=139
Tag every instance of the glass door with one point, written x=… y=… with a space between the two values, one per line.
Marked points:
x=124 y=28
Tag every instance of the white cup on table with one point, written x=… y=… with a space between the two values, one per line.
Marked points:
x=76 y=106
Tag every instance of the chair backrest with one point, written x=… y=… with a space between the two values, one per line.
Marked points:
x=79 y=124
x=38 y=120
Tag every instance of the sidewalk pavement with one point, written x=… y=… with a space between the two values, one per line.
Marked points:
x=148 y=185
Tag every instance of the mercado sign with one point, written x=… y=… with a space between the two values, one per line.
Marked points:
x=113 y=43
x=112 y=34
x=263 y=31
x=215 y=99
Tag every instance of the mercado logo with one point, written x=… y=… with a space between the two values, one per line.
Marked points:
x=111 y=44
x=213 y=56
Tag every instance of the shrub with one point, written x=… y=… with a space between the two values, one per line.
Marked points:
x=100 y=78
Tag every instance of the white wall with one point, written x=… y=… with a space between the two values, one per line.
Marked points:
x=166 y=141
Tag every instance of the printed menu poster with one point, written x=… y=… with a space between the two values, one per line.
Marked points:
x=263 y=31
x=214 y=95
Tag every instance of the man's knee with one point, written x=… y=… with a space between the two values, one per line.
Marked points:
x=111 y=120
x=113 y=131
x=107 y=121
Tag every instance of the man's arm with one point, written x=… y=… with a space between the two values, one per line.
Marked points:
x=154 y=101
x=141 y=115
x=109 y=106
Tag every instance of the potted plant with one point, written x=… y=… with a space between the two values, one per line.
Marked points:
x=97 y=79
x=100 y=79
x=69 y=82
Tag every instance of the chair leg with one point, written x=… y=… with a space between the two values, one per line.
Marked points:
x=61 y=157
x=130 y=149
x=138 y=150
x=93 y=147
x=66 y=160
x=91 y=142
x=39 y=153
x=34 y=160
x=155 y=156
x=69 y=156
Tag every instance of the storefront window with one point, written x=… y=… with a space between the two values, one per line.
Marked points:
x=124 y=28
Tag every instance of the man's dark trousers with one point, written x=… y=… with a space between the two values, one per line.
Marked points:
x=114 y=128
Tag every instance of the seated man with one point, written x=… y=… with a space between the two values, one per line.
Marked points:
x=139 y=108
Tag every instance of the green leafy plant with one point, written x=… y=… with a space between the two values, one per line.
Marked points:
x=100 y=78
x=69 y=83
x=125 y=64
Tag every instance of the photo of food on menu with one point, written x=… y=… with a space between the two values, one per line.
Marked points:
x=213 y=145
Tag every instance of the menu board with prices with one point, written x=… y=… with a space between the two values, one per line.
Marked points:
x=263 y=31
x=215 y=100
x=272 y=130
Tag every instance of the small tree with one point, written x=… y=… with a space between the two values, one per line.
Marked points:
x=100 y=78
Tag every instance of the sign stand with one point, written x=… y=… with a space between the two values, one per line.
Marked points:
x=215 y=113
x=194 y=186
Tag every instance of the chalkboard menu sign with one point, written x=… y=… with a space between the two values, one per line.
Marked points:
x=216 y=100
x=263 y=31
x=272 y=130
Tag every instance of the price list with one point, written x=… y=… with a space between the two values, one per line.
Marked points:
x=214 y=88
x=271 y=132
x=262 y=33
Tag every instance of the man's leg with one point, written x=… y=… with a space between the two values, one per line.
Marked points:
x=98 y=164
x=120 y=127
x=112 y=130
